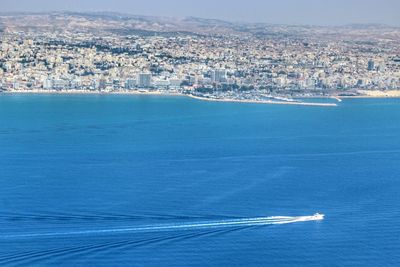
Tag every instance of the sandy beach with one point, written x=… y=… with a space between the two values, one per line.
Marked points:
x=377 y=94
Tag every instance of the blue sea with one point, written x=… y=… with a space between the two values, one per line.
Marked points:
x=117 y=180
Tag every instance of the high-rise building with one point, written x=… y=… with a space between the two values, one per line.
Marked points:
x=144 y=80
x=47 y=84
x=218 y=75
x=371 y=65
x=102 y=84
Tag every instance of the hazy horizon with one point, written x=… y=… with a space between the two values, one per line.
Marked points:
x=301 y=12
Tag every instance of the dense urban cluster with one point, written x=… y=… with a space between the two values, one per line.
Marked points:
x=231 y=65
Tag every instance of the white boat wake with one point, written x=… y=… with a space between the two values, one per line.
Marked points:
x=258 y=221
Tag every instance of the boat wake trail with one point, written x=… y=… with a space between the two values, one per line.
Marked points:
x=258 y=221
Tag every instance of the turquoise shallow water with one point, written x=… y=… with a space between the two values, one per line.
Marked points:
x=126 y=180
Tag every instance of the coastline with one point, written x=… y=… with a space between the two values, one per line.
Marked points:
x=89 y=92
x=160 y=93
x=364 y=94
x=375 y=94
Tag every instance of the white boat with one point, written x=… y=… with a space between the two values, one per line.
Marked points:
x=318 y=216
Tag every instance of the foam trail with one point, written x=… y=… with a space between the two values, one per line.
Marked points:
x=181 y=226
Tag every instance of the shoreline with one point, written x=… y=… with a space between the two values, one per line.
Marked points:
x=369 y=96
x=366 y=95
x=88 y=92
x=375 y=94
x=159 y=93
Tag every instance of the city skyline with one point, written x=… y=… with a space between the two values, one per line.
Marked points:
x=194 y=57
x=304 y=12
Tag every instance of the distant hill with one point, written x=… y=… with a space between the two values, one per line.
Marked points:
x=126 y=24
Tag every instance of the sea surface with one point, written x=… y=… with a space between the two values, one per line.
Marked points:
x=114 y=180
